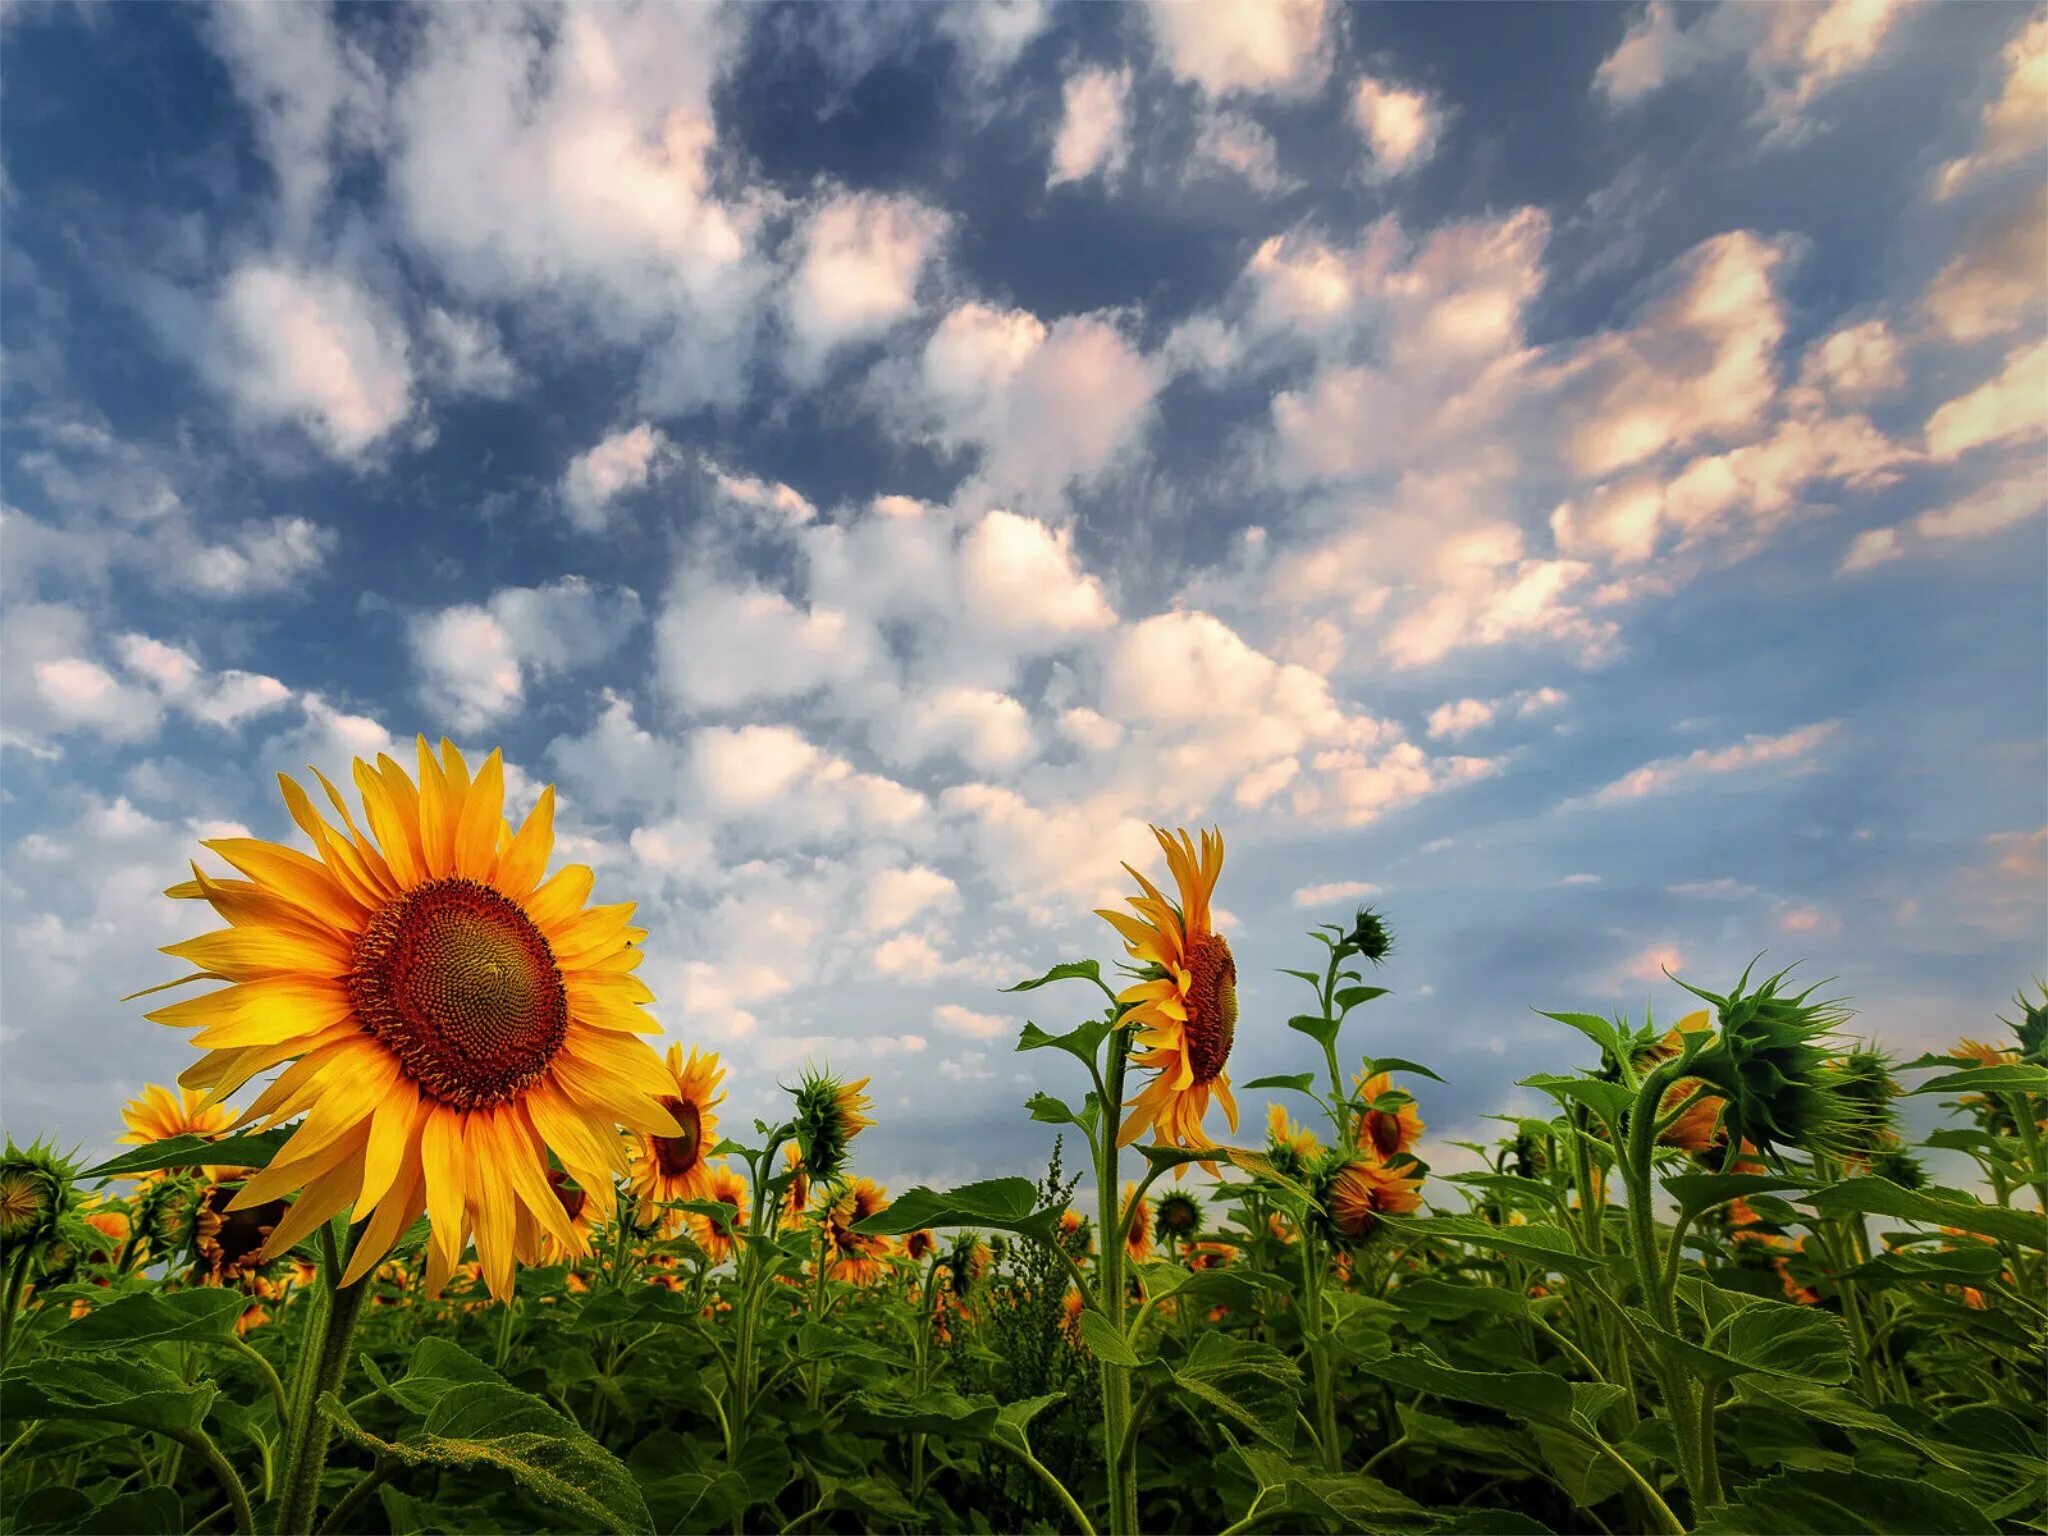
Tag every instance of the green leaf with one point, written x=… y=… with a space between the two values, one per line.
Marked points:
x=252 y=1151
x=1013 y=1422
x=1610 y=1101
x=1399 y=1064
x=1601 y=1032
x=2012 y=1077
x=1837 y=1408
x=152 y=1317
x=1773 y=1338
x=1697 y=1192
x=1827 y=1503
x=1321 y=1030
x=1349 y=998
x=133 y=1391
x=1976 y=1264
x=1105 y=1342
x=1945 y=1208
x=437 y=1367
x=488 y=1425
x=1443 y=1298
x=1071 y=970
x=937 y=1411
x=1010 y=1205
x=1162 y=1277
x=1081 y=1042
x=1534 y=1395
x=1253 y=1383
x=1547 y=1245
x=1048 y=1110
x=1298 y=1082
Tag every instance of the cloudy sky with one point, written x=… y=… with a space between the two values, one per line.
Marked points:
x=1573 y=475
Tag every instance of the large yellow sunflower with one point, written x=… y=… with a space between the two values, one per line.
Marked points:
x=665 y=1167
x=450 y=1017
x=1185 y=1007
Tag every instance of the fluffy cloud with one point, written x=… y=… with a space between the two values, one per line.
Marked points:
x=1239 y=145
x=1400 y=125
x=1993 y=286
x=1257 y=46
x=294 y=345
x=1334 y=892
x=1990 y=509
x=2012 y=406
x=1093 y=138
x=718 y=646
x=464 y=354
x=474 y=662
x=860 y=258
x=1045 y=406
x=2015 y=121
x=629 y=460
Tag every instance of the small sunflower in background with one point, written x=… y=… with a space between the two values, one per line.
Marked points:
x=157 y=1114
x=797 y=1197
x=449 y=1016
x=920 y=1245
x=582 y=1212
x=1179 y=1219
x=1137 y=1213
x=829 y=1114
x=1185 y=1005
x=1290 y=1146
x=728 y=1187
x=668 y=1168
x=855 y=1257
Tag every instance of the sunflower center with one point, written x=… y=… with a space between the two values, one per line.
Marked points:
x=1211 y=1004
x=677 y=1155
x=461 y=987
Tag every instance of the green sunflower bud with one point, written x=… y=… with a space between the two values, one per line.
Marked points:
x=1370 y=936
x=828 y=1116
x=1772 y=1059
x=1179 y=1216
x=35 y=1196
x=2031 y=1026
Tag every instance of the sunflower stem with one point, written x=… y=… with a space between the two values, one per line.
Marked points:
x=1118 y=1465
x=16 y=1273
x=323 y=1365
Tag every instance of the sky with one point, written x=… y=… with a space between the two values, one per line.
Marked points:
x=1570 y=475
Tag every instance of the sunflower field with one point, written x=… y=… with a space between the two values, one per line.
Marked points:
x=471 y=1255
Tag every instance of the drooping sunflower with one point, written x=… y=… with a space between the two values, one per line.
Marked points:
x=1386 y=1132
x=667 y=1168
x=855 y=1257
x=728 y=1187
x=450 y=1017
x=1185 y=1004
x=1357 y=1191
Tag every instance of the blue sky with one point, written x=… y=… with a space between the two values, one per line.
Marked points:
x=1572 y=474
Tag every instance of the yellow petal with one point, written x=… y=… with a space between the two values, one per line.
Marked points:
x=476 y=831
x=521 y=866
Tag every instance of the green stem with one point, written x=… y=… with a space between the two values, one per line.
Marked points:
x=1116 y=1380
x=357 y=1497
x=1667 y=1521
x=322 y=1370
x=1710 y=1450
x=268 y=1372
x=238 y=1496
x=17 y=1272
x=1045 y=1475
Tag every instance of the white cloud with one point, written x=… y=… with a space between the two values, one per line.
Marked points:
x=1334 y=892
x=1259 y=46
x=475 y=662
x=627 y=461
x=991 y=34
x=1461 y=717
x=898 y=897
x=314 y=348
x=464 y=353
x=1400 y=124
x=2015 y=122
x=2012 y=406
x=1993 y=286
x=1752 y=751
x=989 y=731
x=979 y=1026
x=260 y=557
x=1045 y=405
x=1239 y=144
x=776 y=504
x=1093 y=137
x=1987 y=510
x=719 y=646
x=860 y=258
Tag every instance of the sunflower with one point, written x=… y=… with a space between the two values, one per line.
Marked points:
x=155 y=1115
x=1386 y=1132
x=829 y=1114
x=1071 y=1307
x=668 y=1168
x=1180 y=1216
x=920 y=1245
x=1289 y=1145
x=1185 y=1005
x=853 y=1256
x=1357 y=1192
x=582 y=1213
x=1698 y=1127
x=451 y=1017
x=1137 y=1225
x=727 y=1188
x=798 y=1195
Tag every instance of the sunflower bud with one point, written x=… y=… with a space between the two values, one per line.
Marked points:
x=1179 y=1217
x=1529 y=1159
x=829 y=1114
x=1893 y=1162
x=2031 y=1026
x=1370 y=936
x=1771 y=1058
x=35 y=1194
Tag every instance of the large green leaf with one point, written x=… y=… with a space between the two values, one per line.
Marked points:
x=252 y=1151
x=1319 y=1029
x=1548 y=1246
x=1608 y=1100
x=1105 y=1342
x=1010 y=1205
x=1836 y=1408
x=1254 y=1383
x=1831 y=1503
x=437 y=1367
x=938 y=1411
x=1071 y=970
x=1534 y=1395
x=1773 y=1338
x=1940 y=1208
x=154 y=1317
x=1013 y=1422
x=135 y=1391
x=1974 y=1264
x=488 y=1425
x=1697 y=1192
